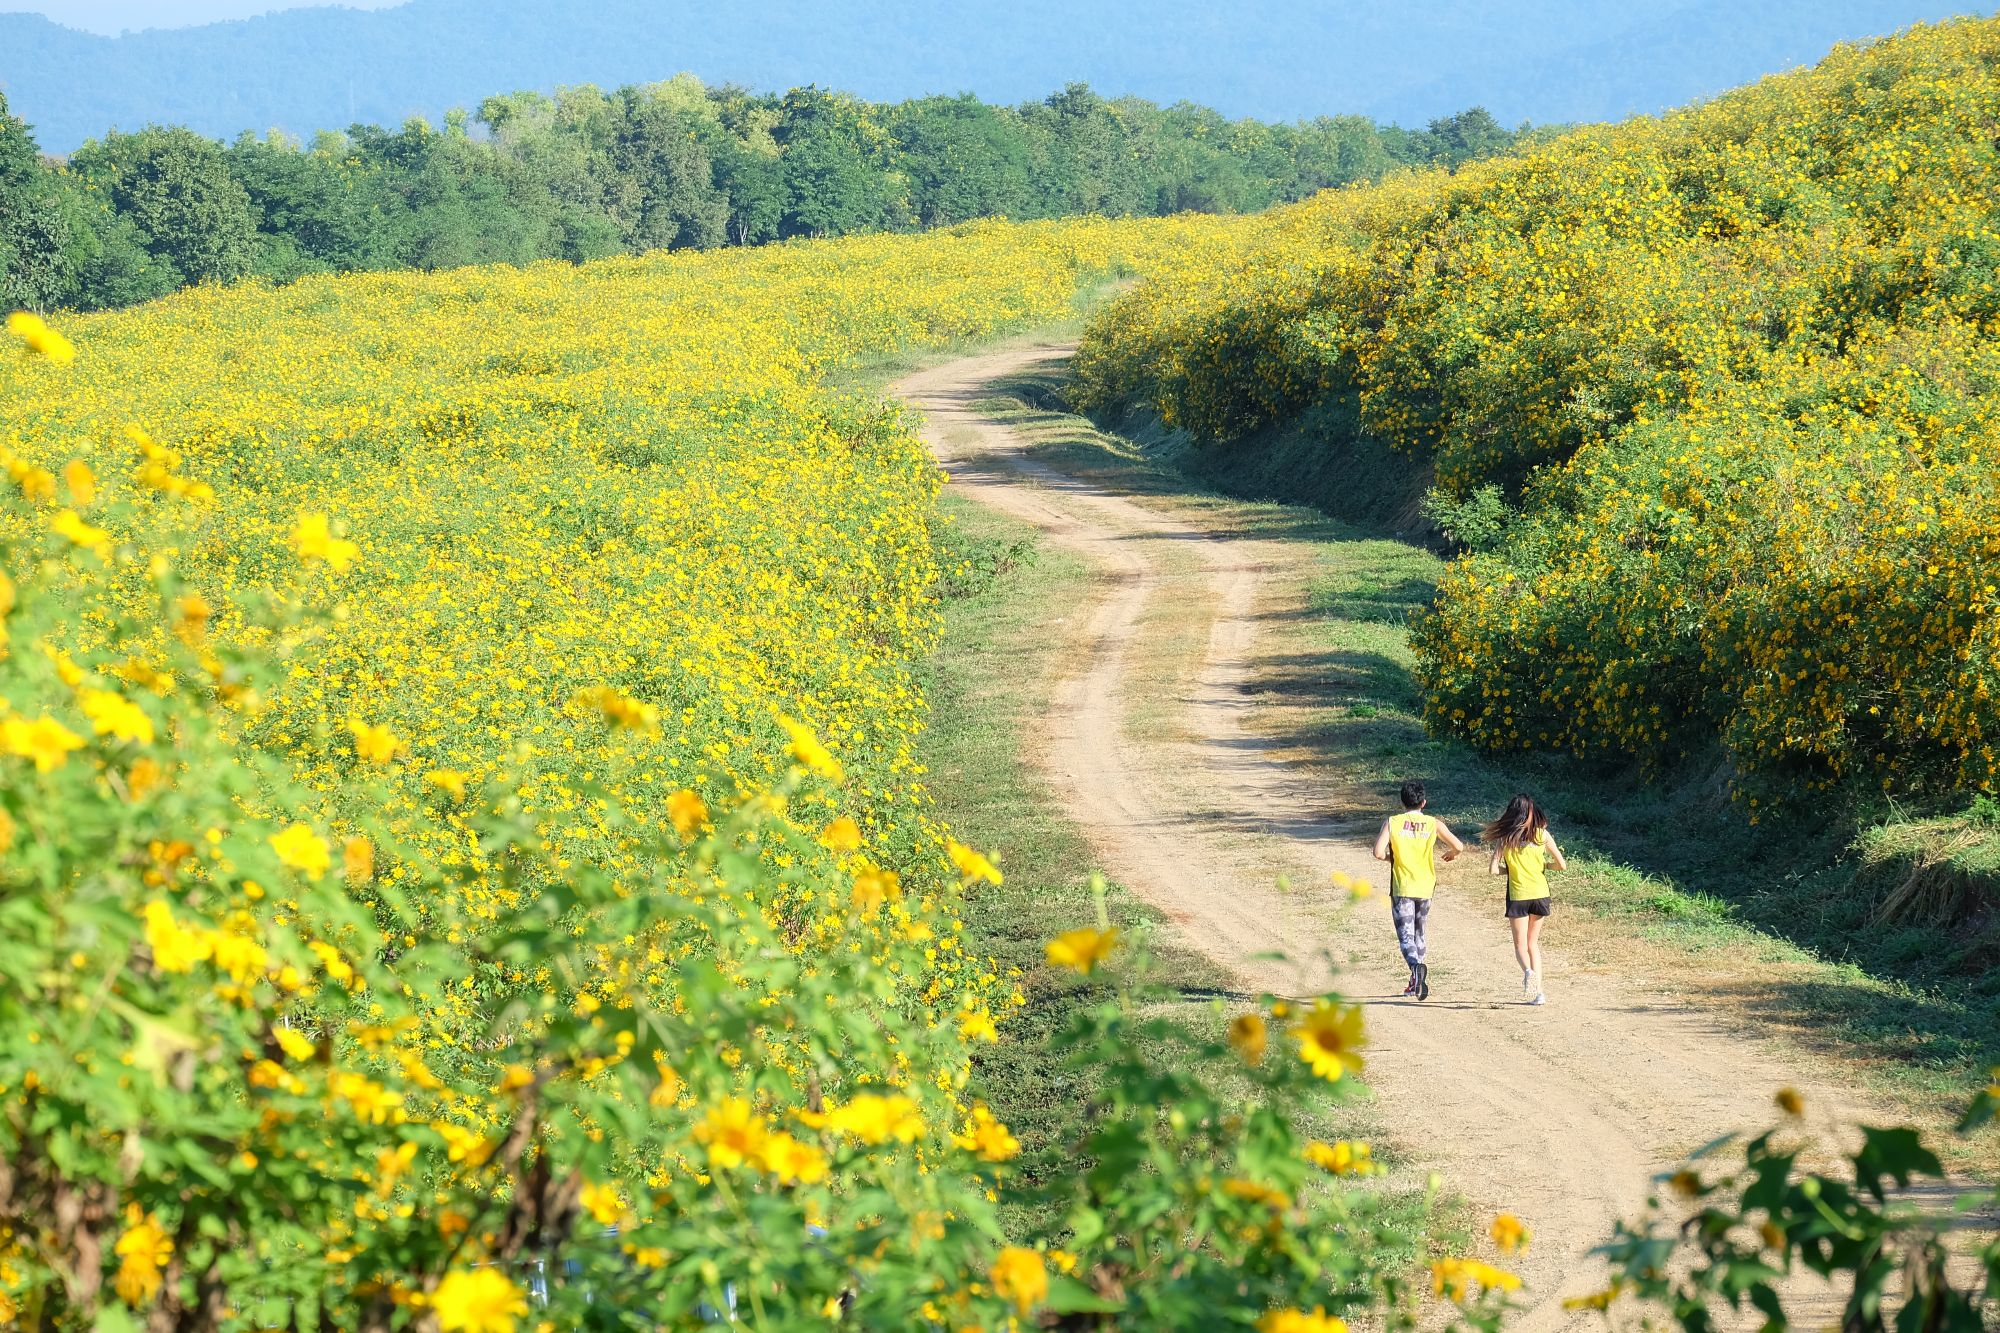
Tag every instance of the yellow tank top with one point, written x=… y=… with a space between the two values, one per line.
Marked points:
x=1412 y=871
x=1525 y=880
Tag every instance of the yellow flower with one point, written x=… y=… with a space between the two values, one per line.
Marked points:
x=143 y=1250
x=874 y=1118
x=303 y=850
x=1251 y=1191
x=374 y=744
x=667 y=1092
x=81 y=481
x=842 y=835
x=513 y=1078
x=112 y=714
x=357 y=861
x=45 y=740
x=732 y=1133
x=971 y=865
x=602 y=1203
x=1330 y=1040
x=687 y=812
x=36 y=483
x=619 y=711
x=1343 y=1158
x=1790 y=1102
x=1459 y=1279
x=1510 y=1233
x=315 y=540
x=447 y=780
x=805 y=748
x=1357 y=889
x=96 y=540
x=977 y=1025
x=67 y=670
x=295 y=1044
x=792 y=1162
x=481 y=1300
x=1020 y=1278
x=1082 y=949
x=330 y=959
x=191 y=616
x=1249 y=1035
x=175 y=948
x=392 y=1163
x=270 y=1074
x=1298 y=1321
x=462 y=1144
x=873 y=886
x=40 y=338
x=371 y=1102
x=989 y=1138
x=239 y=955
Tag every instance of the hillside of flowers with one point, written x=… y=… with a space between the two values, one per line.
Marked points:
x=462 y=860
x=1731 y=372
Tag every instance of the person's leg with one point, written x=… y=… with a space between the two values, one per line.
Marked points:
x=1403 y=911
x=1519 y=925
x=1535 y=944
x=1420 y=924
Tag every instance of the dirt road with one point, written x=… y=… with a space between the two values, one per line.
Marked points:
x=1561 y=1114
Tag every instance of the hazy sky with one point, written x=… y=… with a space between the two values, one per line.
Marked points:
x=112 y=16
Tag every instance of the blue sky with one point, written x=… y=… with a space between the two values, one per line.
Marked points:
x=112 y=16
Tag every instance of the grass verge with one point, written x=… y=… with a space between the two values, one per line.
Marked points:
x=987 y=684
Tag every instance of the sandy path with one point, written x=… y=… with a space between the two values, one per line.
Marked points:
x=1562 y=1113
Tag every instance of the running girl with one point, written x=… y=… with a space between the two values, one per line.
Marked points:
x=1522 y=849
x=1407 y=842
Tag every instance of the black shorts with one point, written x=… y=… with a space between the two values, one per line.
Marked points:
x=1530 y=907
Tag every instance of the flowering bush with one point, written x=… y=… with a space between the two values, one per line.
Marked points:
x=1736 y=367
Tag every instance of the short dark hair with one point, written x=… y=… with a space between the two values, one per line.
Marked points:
x=1414 y=795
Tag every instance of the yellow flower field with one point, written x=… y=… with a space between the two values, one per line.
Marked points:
x=463 y=859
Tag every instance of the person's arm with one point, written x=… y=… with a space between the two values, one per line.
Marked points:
x=1499 y=863
x=1382 y=840
x=1555 y=852
x=1451 y=841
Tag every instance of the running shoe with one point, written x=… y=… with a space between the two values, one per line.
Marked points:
x=1539 y=998
x=1410 y=989
x=1423 y=981
x=1528 y=983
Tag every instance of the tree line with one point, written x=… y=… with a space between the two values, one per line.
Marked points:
x=588 y=173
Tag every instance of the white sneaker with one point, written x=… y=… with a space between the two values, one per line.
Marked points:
x=1529 y=985
x=1539 y=998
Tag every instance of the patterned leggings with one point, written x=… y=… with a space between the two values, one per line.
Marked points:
x=1411 y=914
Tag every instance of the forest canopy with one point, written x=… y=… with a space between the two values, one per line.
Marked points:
x=588 y=173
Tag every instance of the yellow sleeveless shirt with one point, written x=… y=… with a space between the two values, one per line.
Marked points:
x=1525 y=878
x=1412 y=871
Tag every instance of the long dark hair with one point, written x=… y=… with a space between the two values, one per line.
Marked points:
x=1518 y=823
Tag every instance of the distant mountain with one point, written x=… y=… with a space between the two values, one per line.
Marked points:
x=1542 y=60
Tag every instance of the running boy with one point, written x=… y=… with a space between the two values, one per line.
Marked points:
x=1407 y=842
x=1523 y=848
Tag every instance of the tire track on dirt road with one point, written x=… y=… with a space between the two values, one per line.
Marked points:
x=1560 y=1114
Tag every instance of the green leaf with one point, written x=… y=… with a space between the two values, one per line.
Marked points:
x=115 y=1318
x=1896 y=1153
